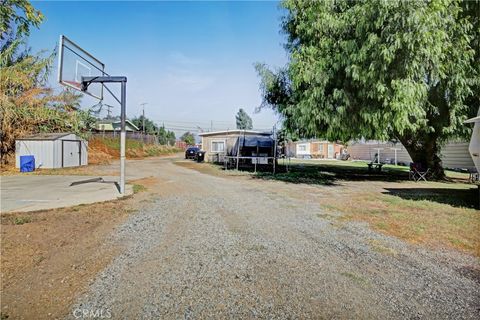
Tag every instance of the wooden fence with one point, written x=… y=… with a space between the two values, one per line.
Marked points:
x=145 y=138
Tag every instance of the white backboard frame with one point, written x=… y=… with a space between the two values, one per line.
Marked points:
x=85 y=60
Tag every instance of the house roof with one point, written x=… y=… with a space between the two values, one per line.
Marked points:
x=312 y=141
x=236 y=131
x=117 y=122
x=45 y=136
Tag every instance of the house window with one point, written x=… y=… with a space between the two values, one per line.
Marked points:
x=302 y=147
x=320 y=148
x=218 y=146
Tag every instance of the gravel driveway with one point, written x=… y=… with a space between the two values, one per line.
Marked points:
x=212 y=247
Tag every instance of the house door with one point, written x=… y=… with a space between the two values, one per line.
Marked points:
x=70 y=153
x=330 y=151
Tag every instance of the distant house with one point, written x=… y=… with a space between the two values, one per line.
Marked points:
x=318 y=149
x=114 y=126
x=181 y=144
x=219 y=144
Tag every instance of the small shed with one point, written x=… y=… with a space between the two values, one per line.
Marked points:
x=53 y=150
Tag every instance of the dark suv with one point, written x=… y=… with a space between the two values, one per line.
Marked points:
x=191 y=152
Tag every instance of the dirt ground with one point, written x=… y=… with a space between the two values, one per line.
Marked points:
x=205 y=244
x=49 y=257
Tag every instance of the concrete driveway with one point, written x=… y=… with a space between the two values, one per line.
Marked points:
x=30 y=193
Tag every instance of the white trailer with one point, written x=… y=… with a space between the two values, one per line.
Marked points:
x=474 y=146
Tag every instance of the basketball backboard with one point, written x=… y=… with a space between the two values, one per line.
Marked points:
x=75 y=63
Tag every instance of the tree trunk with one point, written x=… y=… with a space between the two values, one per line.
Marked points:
x=425 y=150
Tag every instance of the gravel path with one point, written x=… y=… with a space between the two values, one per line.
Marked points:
x=210 y=247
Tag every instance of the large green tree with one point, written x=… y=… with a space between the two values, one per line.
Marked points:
x=405 y=70
x=243 y=120
x=188 y=138
x=166 y=137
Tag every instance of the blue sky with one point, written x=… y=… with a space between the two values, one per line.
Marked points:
x=192 y=62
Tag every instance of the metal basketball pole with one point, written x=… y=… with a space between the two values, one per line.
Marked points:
x=123 y=134
x=86 y=81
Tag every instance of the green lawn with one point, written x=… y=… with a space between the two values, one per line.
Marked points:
x=455 y=191
x=360 y=164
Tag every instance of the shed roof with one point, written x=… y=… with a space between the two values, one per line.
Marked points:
x=45 y=136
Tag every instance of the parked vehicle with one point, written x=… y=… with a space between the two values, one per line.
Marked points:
x=200 y=156
x=191 y=152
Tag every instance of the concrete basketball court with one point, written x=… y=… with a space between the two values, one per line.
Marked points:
x=31 y=193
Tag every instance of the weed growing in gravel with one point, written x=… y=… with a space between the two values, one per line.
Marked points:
x=21 y=220
x=38 y=259
x=138 y=188
x=379 y=247
x=356 y=278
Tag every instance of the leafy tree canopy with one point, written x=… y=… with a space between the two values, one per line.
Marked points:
x=150 y=126
x=380 y=70
x=188 y=138
x=16 y=19
x=244 y=121
x=166 y=137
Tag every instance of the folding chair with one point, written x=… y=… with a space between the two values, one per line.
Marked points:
x=474 y=175
x=418 y=172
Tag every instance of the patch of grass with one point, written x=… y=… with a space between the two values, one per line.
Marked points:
x=307 y=177
x=257 y=247
x=361 y=166
x=329 y=207
x=328 y=172
x=324 y=215
x=413 y=220
x=21 y=220
x=382 y=225
x=355 y=277
x=451 y=194
x=379 y=247
x=38 y=259
x=138 y=188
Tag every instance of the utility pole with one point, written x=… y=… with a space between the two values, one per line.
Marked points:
x=109 y=111
x=143 y=116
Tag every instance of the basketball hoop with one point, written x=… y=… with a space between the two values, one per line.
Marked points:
x=81 y=71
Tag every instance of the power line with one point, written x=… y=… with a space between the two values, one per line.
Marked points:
x=209 y=122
